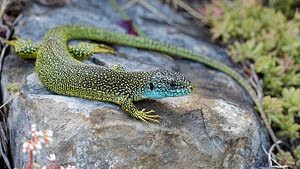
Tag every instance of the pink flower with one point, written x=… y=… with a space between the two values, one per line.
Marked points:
x=218 y=11
x=202 y=11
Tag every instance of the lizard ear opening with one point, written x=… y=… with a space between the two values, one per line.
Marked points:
x=151 y=86
x=173 y=85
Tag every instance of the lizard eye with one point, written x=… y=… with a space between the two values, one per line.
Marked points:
x=151 y=86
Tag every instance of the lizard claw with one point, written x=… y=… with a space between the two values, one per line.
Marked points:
x=100 y=48
x=145 y=117
x=16 y=42
x=149 y=112
x=10 y=42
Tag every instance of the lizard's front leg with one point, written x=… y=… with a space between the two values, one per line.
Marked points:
x=129 y=107
x=81 y=51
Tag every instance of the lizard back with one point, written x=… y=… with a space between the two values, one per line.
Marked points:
x=63 y=74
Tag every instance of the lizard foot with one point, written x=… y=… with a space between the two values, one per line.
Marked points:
x=118 y=67
x=145 y=117
x=100 y=48
x=23 y=48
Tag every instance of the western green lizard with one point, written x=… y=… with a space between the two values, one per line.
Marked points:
x=60 y=72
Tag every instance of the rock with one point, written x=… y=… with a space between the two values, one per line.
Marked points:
x=215 y=127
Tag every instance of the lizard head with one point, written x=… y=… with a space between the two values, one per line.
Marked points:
x=165 y=83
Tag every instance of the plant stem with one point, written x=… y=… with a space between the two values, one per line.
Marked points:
x=10 y=98
x=31 y=160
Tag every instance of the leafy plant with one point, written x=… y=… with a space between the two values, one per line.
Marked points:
x=297 y=156
x=270 y=40
x=288 y=7
x=291 y=99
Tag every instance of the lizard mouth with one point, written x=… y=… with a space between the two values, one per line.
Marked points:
x=192 y=87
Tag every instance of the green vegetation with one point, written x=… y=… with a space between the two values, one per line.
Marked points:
x=13 y=88
x=288 y=7
x=271 y=41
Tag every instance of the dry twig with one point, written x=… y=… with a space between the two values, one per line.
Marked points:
x=149 y=7
x=175 y=4
x=3 y=6
x=271 y=158
x=190 y=10
x=10 y=99
x=256 y=82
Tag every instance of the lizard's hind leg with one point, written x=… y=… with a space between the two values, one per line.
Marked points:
x=118 y=67
x=84 y=50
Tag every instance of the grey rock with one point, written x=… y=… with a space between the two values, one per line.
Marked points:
x=215 y=127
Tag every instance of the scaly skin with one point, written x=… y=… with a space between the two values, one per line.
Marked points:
x=63 y=74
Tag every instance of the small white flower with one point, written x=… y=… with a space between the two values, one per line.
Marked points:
x=50 y=140
x=32 y=133
x=31 y=147
x=52 y=158
x=47 y=137
x=25 y=149
x=70 y=167
x=40 y=134
x=48 y=133
x=33 y=130
x=25 y=145
x=38 y=145
x=33 y=127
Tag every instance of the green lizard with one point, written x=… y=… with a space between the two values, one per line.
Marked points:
x=59 y=71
